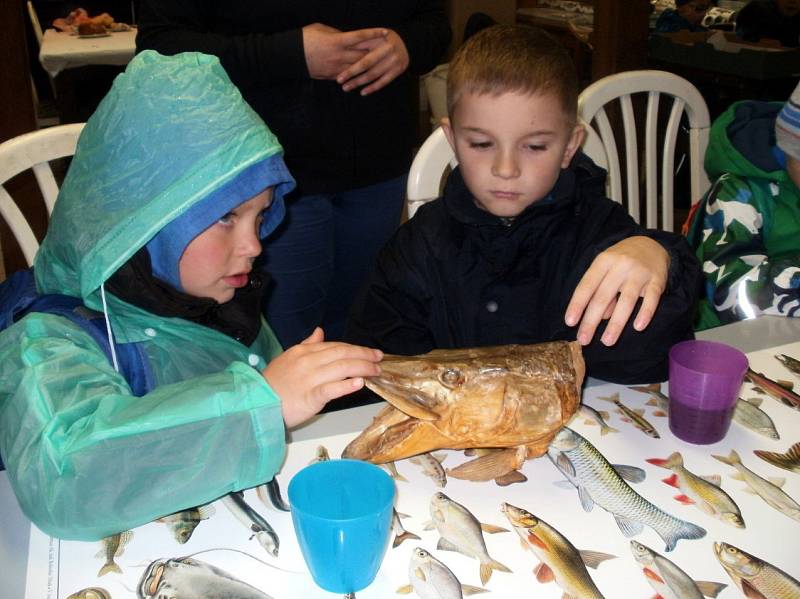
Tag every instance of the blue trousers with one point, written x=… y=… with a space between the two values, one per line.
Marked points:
x=321 y=254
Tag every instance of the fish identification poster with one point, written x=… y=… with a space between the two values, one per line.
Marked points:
x=212 y=552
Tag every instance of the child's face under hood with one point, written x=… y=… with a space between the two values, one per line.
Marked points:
x=218 y=261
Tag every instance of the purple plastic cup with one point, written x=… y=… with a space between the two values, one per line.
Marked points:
x=704 y=382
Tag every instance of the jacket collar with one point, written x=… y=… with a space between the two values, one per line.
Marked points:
x=239 y=318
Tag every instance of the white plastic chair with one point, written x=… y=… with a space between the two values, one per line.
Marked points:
x=35 y=24
x=428 y=170
x=658 y=164
x=33 y=151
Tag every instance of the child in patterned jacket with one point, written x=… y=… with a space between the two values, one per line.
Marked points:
x=746 y=230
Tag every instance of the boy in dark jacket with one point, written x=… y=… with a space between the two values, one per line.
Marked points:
x=524 y=247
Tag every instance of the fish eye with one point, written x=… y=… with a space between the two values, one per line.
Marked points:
x=451 y=377
x=421 y=553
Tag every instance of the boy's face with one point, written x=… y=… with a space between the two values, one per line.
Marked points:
x=694 y=11
x=511 y=147
x=217 y=262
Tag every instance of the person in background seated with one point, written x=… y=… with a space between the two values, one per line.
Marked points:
x=770 y=19
x=686 y=16
x=157 y=227
x=747 y=228
x=524 y=247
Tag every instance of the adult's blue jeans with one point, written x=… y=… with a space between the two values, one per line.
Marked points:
x=322 y=253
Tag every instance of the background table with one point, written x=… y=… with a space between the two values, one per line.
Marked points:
x=15 y=528
x=61 y=50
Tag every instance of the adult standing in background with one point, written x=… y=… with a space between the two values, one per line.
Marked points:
x=770 y=19
x=335 y=80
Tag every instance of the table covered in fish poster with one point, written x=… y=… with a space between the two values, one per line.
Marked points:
x=736 y=497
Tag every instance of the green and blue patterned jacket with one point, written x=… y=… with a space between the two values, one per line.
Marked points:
x=746 y=230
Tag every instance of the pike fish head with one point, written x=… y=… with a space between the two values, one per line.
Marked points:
x=425 y=386
x=740 y=562
x=642 y=554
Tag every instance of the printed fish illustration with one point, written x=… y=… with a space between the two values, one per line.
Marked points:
x=182 y=524
x=190 y=578
x=431 y=579
x=635 y=416
x=657 y=398
x=113 y=546
x=460 y=531
x=392 y=468
x=560 y=560
x=592 y=416
x=790 y=363
x=599 y=482
x=703 y=491
x=91 y=593
x=400 y=533
x=747 y=412
x=780 y=390
x=498 y=397
x=668 y=580
x=500 y=465
x=432 y=467
x=788 y=461
x=756 y=578
x=768 y=489
x=253 y=521
x=270 y=495
x=321 y=455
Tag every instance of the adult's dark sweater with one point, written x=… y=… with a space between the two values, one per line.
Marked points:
x=333 y=140
x=457 y=276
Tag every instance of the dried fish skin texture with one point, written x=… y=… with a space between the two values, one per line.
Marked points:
x=498 y=396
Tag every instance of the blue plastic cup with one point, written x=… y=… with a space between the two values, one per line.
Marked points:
x=342 y=515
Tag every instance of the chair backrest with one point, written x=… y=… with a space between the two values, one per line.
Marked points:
x=37 y=27
x=660 y=131
x=426 y=178
x=33 y=151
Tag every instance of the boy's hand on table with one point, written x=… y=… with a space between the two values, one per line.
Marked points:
x=329 y=51
x=313 y=372
x=386 y=58
x=634 y=267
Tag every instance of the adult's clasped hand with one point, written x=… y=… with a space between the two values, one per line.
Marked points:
x=368 y=59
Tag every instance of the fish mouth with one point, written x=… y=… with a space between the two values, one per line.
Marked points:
x=401 y=392
x=148 y=585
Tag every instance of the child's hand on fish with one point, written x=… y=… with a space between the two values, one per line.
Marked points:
x=310 y=374
x=636 y=267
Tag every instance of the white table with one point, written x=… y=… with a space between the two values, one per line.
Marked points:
x=760 y=333
x=61 y=50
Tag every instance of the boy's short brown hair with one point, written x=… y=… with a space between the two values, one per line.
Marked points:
x=513 y=58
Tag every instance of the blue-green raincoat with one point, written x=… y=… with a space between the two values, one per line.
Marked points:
x=85 y=457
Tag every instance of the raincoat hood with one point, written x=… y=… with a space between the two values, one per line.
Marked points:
x=145 y=157
x=742 y=142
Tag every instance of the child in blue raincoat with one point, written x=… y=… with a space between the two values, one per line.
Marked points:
x=174 y=183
